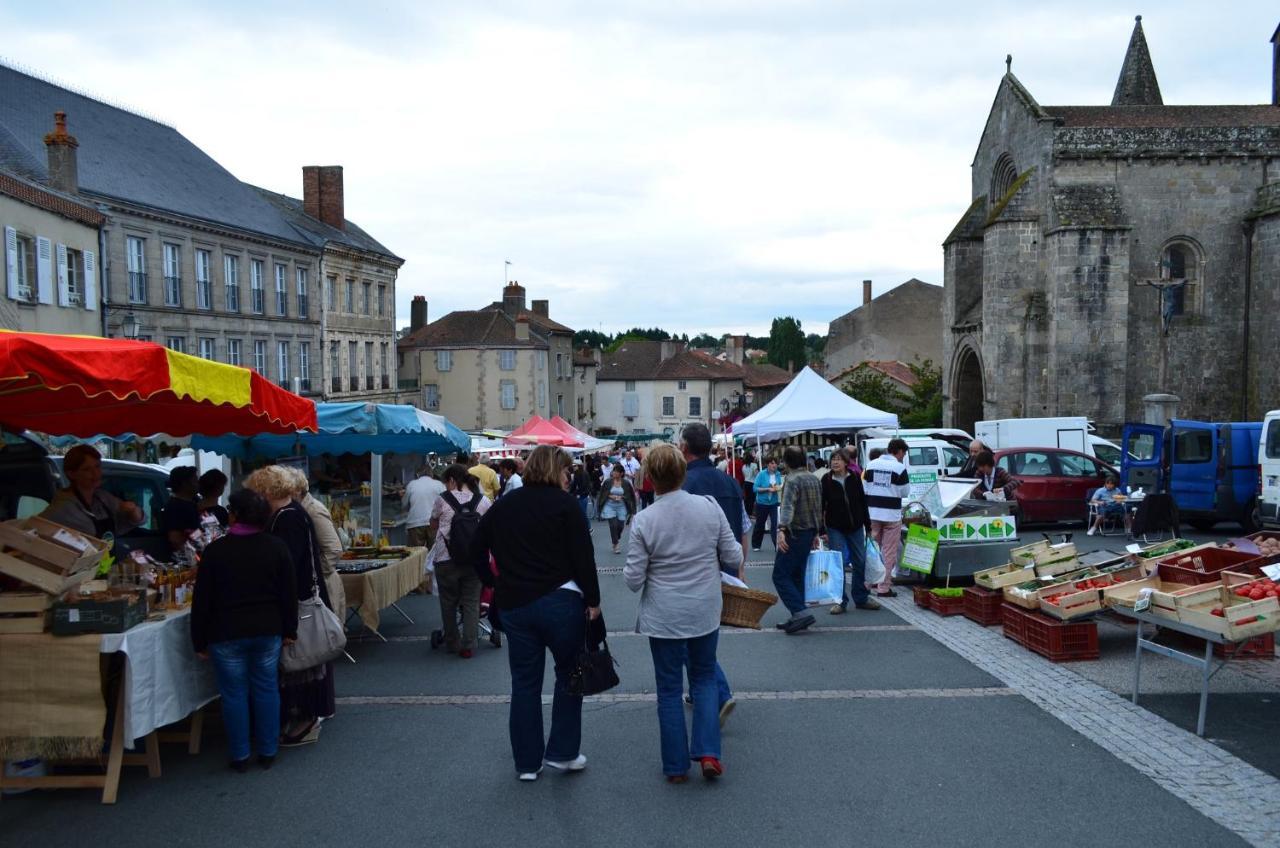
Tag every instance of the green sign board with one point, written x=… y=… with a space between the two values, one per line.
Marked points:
x=978 y=528
x=921 y=548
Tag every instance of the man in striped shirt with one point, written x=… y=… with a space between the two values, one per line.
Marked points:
x=886 y=483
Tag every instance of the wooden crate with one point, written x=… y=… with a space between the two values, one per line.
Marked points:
x=1163 y=595
x=24 y=612
x=1009 y=574
x=1072 y=604
x=33 y=573
x=1241 y=619
x=1026 y=555
x=48 y=556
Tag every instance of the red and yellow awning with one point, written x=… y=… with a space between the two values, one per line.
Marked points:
x=86 y=386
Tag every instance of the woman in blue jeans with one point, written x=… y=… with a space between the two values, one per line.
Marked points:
x=546 y=589
x=245 y=608
x=848 y=525
x=677 y=548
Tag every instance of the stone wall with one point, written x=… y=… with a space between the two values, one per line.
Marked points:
x=1264 y=326
x=902 y=324
x=1014 y=320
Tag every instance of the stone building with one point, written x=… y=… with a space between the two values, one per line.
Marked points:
x=586 y=365
x=1114 y=252
x=491 y=368
x=903 y=324
x=51 y=250
x=660 y=386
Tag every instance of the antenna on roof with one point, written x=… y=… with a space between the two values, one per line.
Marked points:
x=43 y=77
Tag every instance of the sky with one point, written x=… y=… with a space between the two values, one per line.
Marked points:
x=697 y=166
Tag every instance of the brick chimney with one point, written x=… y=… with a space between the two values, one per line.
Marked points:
x=322 y=194
x=736 y=347
x=866 y=292
x=668 y=349
x=417 y=313
x=513 y=298
x=542 y=307
x=522 y=328
x=63 y=172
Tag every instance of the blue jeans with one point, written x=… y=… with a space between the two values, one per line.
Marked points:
x=853 y=545
x=788 y=569
x=248 y=679
x=556 y=621
x=670 y=656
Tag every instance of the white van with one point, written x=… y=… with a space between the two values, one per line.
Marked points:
x=1269 y=469
x=922 y=455
x=1070 y=432
x=1108 y=452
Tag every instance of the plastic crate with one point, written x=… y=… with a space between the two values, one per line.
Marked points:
x=1057 y=641
x=946 y=606
x=921 y=595
x=983 y=605
x=1014 y=627
x=1202 y=565
x=1258 y=648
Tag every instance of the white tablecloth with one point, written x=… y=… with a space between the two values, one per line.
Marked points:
x=164 y=680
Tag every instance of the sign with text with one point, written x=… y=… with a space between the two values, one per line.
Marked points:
x=921 y=549
x=978 y=528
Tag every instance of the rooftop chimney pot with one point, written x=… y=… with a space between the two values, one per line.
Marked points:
x=417 y=313
x=61 y=151
x=866 y=292
x=322 y=194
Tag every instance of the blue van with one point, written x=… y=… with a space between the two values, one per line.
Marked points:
x=1210 y=469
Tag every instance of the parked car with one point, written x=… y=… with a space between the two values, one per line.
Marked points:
x=1055 y=483
x=1210 y=469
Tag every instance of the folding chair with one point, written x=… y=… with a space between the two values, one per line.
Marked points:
x=1112 y=522
x=1156 y=515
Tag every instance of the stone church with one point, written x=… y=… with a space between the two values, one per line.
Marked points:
x=1116 y=252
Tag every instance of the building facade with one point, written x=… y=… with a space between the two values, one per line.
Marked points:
x=903 y=324
x=491 y=368
x=660 y=386
x=1114 y=252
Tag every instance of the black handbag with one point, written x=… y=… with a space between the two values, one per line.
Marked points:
x=594 y=672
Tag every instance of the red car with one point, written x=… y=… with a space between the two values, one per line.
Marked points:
x=1056 y=482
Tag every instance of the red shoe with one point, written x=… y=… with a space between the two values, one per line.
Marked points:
x=711 y=768
x=465 y=653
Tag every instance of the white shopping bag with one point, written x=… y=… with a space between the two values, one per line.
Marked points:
x=824 y=577
x=875 y=564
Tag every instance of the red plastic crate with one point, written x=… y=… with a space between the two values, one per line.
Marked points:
x=1258 y=648
x=946 y=606
x=1014 y=627
x=1178 y=568
x=983 y=605
x=921 y=595
x=1057 y=641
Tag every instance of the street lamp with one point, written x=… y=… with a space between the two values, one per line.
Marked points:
x=130 y=325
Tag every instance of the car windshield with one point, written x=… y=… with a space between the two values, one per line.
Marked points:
x=1108 y=454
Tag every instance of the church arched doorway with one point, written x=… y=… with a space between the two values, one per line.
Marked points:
x=967 y=391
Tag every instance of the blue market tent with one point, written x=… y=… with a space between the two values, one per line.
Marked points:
x=350 y=428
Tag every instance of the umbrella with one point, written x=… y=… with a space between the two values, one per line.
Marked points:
x=85 y=386
x=350 y=428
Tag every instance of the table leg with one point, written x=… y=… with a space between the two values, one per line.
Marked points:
x=115 y=757
x=152 y=755
x=1204 y=686
x=197 y=732
x=1137 y=664
x=396 y=607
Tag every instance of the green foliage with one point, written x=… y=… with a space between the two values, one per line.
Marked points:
x=874 y=389
x=653 y=334
x=621 y=340
x=786 y=343
x=704 y=340
x=591 y=338
x=925 y=401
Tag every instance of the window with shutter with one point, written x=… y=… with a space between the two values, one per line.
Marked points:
x=74 y=271
x=64 y=296
x=44 y=270
x=90 y=280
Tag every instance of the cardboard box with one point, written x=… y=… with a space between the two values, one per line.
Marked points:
x=99 y=614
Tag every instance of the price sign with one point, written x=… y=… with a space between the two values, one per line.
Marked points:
x=921 y=549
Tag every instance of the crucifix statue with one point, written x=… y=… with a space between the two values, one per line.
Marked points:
x=1167 y=288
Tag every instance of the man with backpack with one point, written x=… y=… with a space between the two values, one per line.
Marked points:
x=455 y=521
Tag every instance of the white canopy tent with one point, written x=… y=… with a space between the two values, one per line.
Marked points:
x=810 y=404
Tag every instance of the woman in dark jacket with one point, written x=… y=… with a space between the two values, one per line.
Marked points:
x=547 y=589
x=245 y=608
x=617 y=503
x=306 y=697
x=844 y=512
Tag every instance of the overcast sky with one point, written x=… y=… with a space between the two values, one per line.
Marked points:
x=696 y=166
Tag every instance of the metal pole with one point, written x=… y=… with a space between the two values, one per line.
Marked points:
x=375 y=496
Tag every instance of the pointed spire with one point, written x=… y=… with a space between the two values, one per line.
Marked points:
x=1137 y=85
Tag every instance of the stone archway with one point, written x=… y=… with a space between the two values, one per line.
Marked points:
x=968 y=391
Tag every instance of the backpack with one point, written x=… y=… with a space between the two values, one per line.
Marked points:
x=463 y=528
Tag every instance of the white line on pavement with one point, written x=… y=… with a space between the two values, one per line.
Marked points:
x=649 y=697
x=731 y=631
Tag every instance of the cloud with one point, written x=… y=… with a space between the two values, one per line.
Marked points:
x=696 y=166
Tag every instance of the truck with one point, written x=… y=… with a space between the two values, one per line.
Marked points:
x=1071 y=432
x=1210 y=469
x=1269 y=470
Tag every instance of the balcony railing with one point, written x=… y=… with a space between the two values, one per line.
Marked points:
x=233 y=298
x=355 y=384
x=302 y=306
x=173 y=291
x=386 y=381
x=335 y=384
x=407 y=385
x=137 y=287
x=259 y=301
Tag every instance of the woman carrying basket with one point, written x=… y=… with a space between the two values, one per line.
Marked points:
x=674 y=559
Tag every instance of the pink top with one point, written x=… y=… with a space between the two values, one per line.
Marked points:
x=442 y=512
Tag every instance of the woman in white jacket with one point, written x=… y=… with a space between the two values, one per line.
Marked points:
x=674 y=559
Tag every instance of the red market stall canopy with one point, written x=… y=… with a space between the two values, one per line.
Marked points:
x=539 y=431
x=86 y=386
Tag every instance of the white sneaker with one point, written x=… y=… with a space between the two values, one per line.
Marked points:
x=1090 y=533
x=530 y=775
x=578 y=763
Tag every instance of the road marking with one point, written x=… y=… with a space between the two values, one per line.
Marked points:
x=649 y=697
x=1241 y=798
x=731 y=631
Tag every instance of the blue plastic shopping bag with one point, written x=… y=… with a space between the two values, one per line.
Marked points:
x=824 y=577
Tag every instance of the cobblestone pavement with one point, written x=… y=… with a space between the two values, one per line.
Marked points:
x=1223 y=787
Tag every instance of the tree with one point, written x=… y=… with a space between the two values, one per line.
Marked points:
x=874 y=389
x=924 y=403
x=704 y=340
x=786 y=343
x=591 y=338
x=623 y=339
x=815 y=346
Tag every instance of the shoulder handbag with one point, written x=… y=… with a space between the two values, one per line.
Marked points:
x=321 y=637
x=594 y=672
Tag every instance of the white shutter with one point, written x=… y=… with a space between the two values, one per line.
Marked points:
x=11 y=261
x=90 y=281
x=64 y=295
x=44 y=270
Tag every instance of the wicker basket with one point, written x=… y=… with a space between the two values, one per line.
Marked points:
x=744 y=607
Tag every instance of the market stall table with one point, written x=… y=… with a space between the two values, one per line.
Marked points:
x=52 y=705
x=369 y=592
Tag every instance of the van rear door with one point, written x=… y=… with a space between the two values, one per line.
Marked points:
x=1194 y=466
x=1142 y=457
x=1269 y=466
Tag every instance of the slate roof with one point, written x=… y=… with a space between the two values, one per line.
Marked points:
x=1087 y=206
x=892 y=294
x=1115 y=117
x=970 y=225
x=471 y=329
x=545 y=324
x=50 y=200
x=765 y=376
x=642 y=360
x=1137 y=84
x=319 y=233
x=127 y=157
